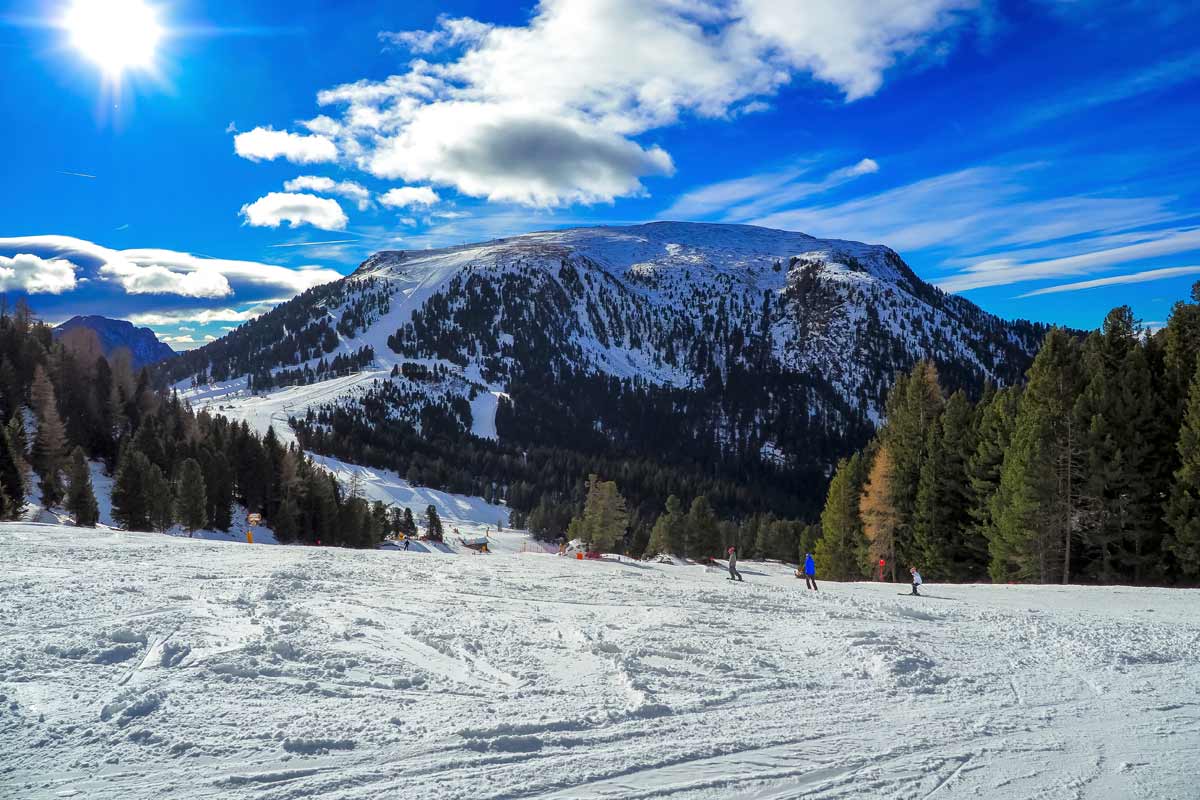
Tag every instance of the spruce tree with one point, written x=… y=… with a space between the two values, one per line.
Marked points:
x=50 y=441
x=191 y=503
x=433 y=524
x=913 y=408
x=81 y=499
x=665 y=536
x=131 y=506
x=997 y=416
x=1034 y=508
x=702 y=529
x=841 y=551
x=1183 y=506
x=12 y=477
x=946 y=545
x=159 y=499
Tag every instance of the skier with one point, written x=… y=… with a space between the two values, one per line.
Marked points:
x=406 y=541
x=810 y=572
x=916 y=580
x=562 y=545
x=734 y=575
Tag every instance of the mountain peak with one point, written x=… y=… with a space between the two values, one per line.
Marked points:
x=143 y=345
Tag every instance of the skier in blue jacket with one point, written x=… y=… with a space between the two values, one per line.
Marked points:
x=810 y=572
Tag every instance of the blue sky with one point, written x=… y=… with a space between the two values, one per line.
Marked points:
x=1038 y=157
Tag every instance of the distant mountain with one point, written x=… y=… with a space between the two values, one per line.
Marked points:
x=113 y=334
x=752 y=357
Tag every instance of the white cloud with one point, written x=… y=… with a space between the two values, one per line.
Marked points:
x=406 y=196
x=1136 y=277
x=451 y=32
x=25 y=272
x=509 y=154
x=849 y=43
x=266 y=144
x=347 y=189
x=546 y=113
x=867 y=166
x=158 y=279
x=122 y=267
x=204 y=316
x=295 y=209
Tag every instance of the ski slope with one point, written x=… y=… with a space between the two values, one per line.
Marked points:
x=147 y=666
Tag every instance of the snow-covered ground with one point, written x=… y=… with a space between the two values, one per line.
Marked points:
x=147 y=666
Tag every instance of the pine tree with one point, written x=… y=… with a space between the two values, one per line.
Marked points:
x=191 y=495
x=1035 y=505
x=880 y=517
x=665 y=536
x=81 y=499
x=604 y=519
x=1183 y=507
x=433 y=524
x=409 y=525
x=131 y=506
x=50 y=442
x=841 y=551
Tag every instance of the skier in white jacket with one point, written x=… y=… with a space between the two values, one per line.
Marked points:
x=916 y=580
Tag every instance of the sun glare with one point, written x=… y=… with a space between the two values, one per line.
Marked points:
x=117 y=35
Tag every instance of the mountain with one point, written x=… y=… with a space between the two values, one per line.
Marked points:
x=685 y=358
x=114 y=334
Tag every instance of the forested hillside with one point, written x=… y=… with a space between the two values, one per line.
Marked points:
x=62 y=404
x=725 y=361
x=1088 y=471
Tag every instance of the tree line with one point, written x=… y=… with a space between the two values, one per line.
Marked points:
x=1087 y=472
x=64 y=406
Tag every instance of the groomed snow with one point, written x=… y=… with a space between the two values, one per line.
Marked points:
x=146 y=666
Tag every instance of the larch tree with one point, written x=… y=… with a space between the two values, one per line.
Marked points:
x=879 y=515
x=50 y=441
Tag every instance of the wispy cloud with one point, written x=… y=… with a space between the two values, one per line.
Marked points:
x=1159 y=77
x=75 y=174
x=1003 y=271
x=1112 y=280
x=313 y=244
x=742 y=199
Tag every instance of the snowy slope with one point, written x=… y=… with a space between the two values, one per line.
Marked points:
x=141 y=666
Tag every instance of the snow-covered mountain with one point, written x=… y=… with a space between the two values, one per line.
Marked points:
x=143 y=346
x=711 y=343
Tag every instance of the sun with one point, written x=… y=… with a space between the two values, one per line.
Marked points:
x=117 y=35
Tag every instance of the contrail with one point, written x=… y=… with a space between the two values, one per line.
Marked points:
x=76 y=174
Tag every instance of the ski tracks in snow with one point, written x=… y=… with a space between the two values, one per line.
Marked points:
x=148 y=666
